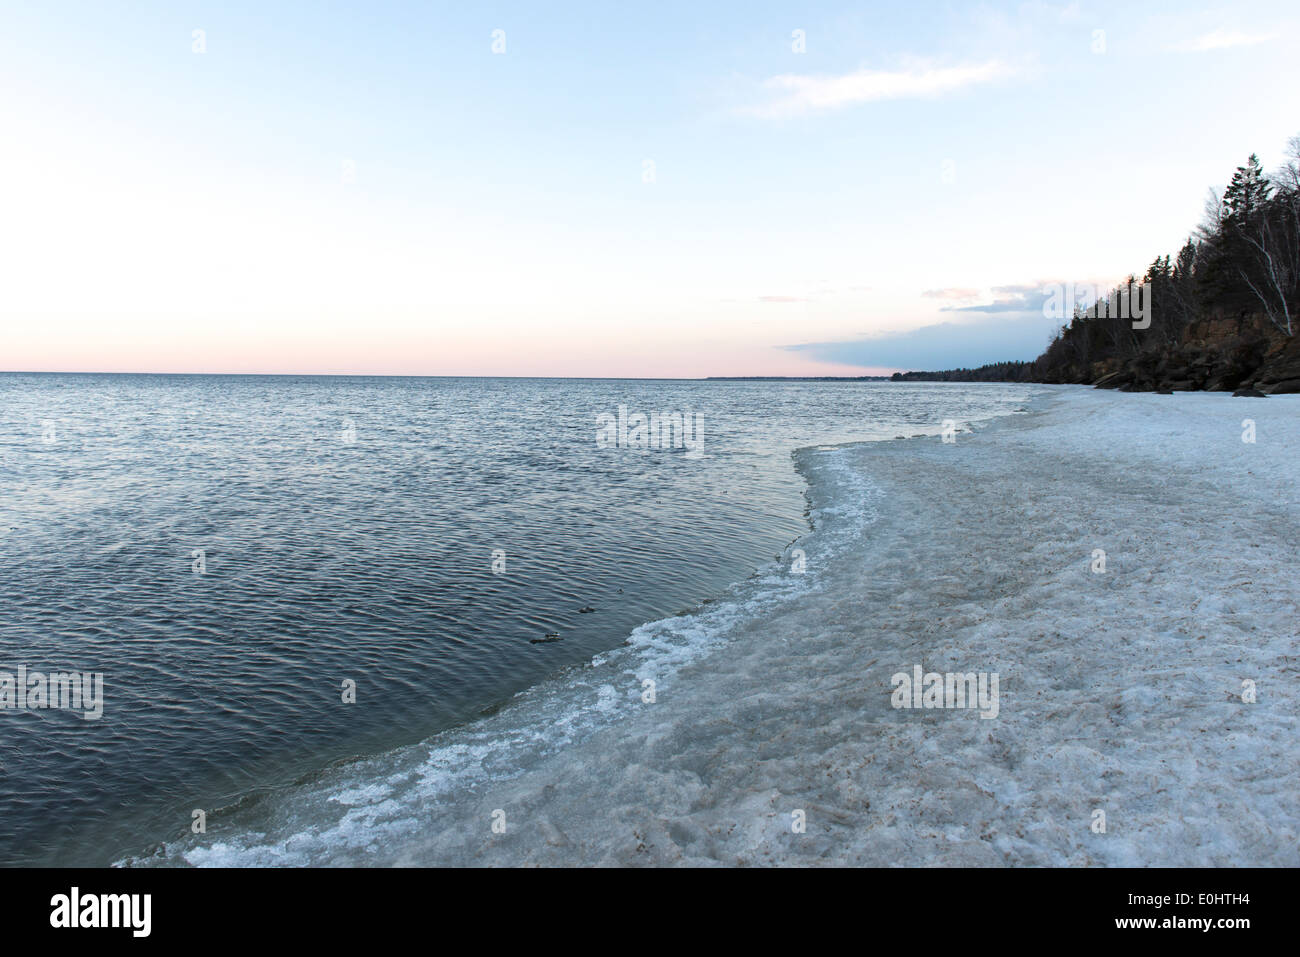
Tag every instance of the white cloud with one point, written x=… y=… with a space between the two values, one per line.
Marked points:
x=952 y=294
x=796 y=94
x=1222 y=40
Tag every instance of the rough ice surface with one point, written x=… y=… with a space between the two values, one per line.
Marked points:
x=1120 y=691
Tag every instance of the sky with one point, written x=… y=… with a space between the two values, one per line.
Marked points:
x=594 y=189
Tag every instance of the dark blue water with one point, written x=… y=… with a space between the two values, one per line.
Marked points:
x=348 y=528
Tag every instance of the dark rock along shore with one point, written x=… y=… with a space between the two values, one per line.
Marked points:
x=1217 y=355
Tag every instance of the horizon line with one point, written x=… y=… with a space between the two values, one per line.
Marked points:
x=399 y=375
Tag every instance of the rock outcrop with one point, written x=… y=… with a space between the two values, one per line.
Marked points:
x=1217 y=354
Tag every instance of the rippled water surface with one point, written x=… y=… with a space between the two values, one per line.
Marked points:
x=348 y=528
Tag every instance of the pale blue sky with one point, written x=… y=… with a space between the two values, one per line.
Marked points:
x=334 y=187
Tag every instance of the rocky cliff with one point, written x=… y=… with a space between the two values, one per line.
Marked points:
x=1214 y=354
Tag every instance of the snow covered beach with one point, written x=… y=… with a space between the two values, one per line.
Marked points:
x=1121 y=690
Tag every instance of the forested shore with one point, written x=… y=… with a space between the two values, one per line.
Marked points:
x=1219 y=315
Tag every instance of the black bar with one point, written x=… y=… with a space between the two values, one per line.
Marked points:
x=905 y=907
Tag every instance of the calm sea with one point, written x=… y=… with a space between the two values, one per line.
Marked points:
x=274 y=575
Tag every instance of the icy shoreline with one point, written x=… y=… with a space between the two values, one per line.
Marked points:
x=1121 y=691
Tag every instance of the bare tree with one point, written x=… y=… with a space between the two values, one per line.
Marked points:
x=1288 y=176
x=1278 y=274
x=1211 y=227
x=1274 y=240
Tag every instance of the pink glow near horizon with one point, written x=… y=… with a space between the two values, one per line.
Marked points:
x=762 y=362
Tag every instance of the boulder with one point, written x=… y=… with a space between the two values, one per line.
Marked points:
x=1285 y=387
x=1280 y=366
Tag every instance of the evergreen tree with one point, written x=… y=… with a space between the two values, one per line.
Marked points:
x=1231 y=255
x=1246 y=195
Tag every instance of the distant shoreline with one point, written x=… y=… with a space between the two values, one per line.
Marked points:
x=797 y=378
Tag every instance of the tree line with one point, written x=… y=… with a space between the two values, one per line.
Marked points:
x=1242 y=262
